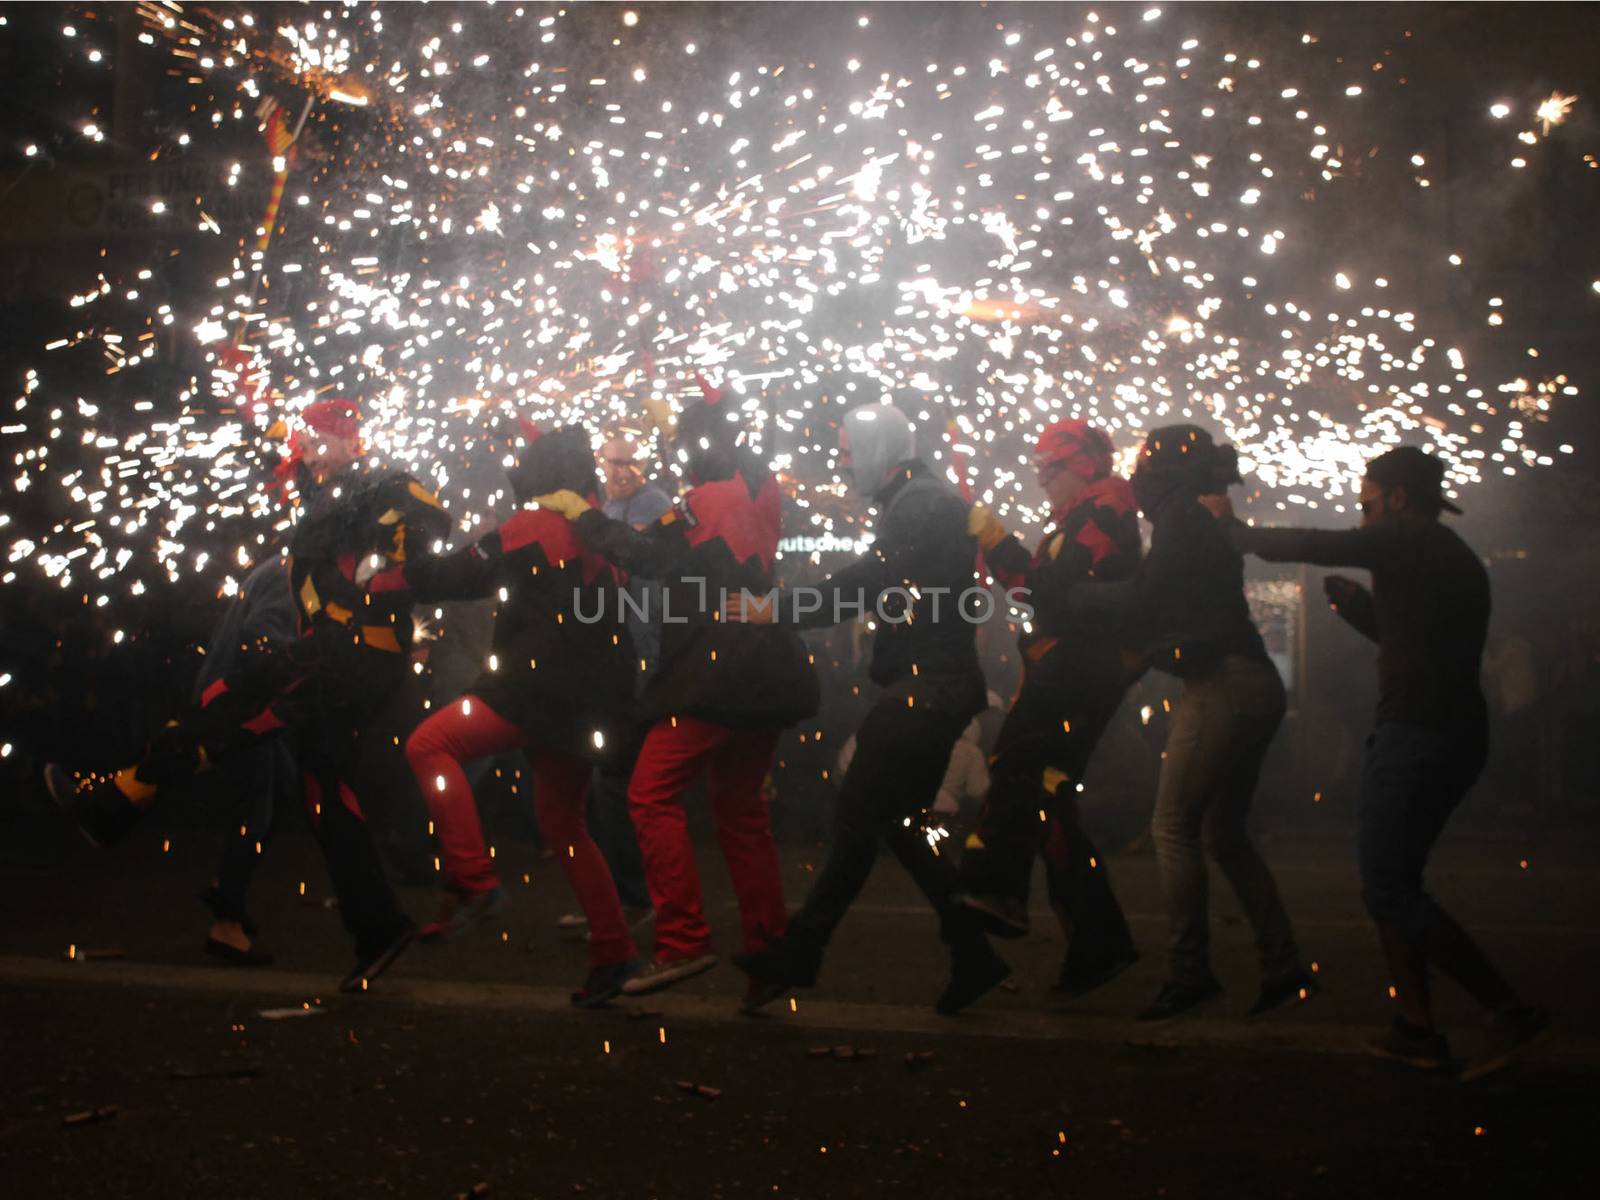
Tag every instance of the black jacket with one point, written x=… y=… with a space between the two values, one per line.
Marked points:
x=921 y=562
x=1094 y=541
x=721 y=537
x=1428 y=611
x=562 y=664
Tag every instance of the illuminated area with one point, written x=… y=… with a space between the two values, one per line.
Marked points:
x=559 y=213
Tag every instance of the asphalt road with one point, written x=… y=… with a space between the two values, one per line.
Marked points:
x=465 y=1065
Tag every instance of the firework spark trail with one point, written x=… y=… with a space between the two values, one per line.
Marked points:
x=554 y=212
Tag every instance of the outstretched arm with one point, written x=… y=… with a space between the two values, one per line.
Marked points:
x=654 y=552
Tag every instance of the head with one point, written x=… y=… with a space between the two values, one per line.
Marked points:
x=554 y=459
x=709 y=434
x=621 y=462
x=1180 y=463
x=873 y=440
x=1068 y=457
x=1401 y=485
x=329 y=439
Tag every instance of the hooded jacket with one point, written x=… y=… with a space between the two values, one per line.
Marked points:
x=924 y=653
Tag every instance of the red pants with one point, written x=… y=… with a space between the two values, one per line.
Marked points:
x=735 y=762
x=469 y=729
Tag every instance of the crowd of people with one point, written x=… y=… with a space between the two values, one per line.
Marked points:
x=640 y=644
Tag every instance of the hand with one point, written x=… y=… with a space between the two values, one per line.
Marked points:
x=1340 y=590
x=985 y=526
x=565 y=503
x=1218 y=505
x=747 y=609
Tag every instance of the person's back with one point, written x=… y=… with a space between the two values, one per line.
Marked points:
x=1191 y=592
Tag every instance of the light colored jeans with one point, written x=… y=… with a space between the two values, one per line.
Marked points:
x=1221 y=728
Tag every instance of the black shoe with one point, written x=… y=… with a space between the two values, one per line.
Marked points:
x=1176 y=998
x=1296 y=987
x=973 y=972
x=212 y=899
x=604 y=984
x=368 y=969
x=758 y=994
x=1000 y=916
x=1081 y=976
x=1424 y=1049
x=1509 y=1034
x=232 y=956
x=784 y=963
x=94 y=803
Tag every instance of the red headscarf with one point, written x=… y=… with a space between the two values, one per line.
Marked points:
x=1083 y=448
x=332 y=418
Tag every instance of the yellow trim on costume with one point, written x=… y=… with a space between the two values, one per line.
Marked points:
x=310 y=602
x=135 y=789
x=1053 y=779
x=339 y=613
x=380 y=637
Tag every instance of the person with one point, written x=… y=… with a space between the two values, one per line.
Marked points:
x=557 y=686
x=1074 y=677
x=1193 y=622
x=721 y=694
x=346 y=560
x=631 y=498
x=1428 y=611
x=261 y=777
x=925 y=658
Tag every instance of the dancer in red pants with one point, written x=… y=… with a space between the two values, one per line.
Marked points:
x=558 y=687
x=721 y=695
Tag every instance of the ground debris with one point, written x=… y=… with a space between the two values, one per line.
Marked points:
x=92 y=1116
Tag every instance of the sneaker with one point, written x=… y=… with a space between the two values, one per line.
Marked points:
x=999 y=915
x=604 y=984
x=458 y=913
x=972 y=973
x=1296 y=987
x=571 y=922
x=661 y=973
x=1509 y=1034
x=1081 y=976
x=1403 y=1042
x=94 y=803
x=366 y=970
x=783 y=963
x=1176 y=998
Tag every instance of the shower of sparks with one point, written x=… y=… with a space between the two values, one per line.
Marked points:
x=1554 y=109
x=557 y=213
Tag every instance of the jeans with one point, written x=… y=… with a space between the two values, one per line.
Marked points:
x=900 y=760
x=611 y=826
x=1221 y=728
x=1411 y=781
x=258 y=779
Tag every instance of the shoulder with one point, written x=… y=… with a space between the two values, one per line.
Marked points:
x=528 y=526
